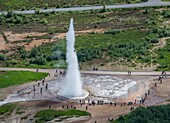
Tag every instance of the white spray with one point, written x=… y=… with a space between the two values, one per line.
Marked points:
x=73 y=87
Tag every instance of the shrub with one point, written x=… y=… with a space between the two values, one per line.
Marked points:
x=2 y=57
x=44 y=21
x=14 y=62
x=154 y=40
x=46 y=6
x=9 y=13
x=39 y=60
x=23 y=8
x=113 y=32
x=37 y=11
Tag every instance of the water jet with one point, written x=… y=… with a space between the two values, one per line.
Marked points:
x=73 y=84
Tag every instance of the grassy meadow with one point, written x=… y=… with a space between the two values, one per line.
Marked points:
x=9 y=78
x=48 y=115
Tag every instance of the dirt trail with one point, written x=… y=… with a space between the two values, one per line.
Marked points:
x=2 y=43
x=160 y=44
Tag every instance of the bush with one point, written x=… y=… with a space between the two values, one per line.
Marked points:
x=23 y=8
x=14 y=62
x=166 y=13
x=154 y=40
x=39 y=60
x=113 y=32
x=37 y=11
x=9 y=13
x=153 y=114
x=46 y=6
x=2 y=57
x=44 y=21
x=36 y=51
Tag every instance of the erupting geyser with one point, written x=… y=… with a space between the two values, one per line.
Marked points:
x=73 y=87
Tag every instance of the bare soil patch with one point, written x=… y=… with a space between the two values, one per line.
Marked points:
x=2 y=43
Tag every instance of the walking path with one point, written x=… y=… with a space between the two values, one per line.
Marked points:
x=150 y=3
x=135 y=73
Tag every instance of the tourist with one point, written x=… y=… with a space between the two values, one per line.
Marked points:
x=49 y=106
x=159 y=78
x=129 y=72
x=56 y=71
x=115 y=104
x=62 y=106
x=38 y=84
x=132 y=108
x=135 y=102
x=110 y=103
x=140 y=101
x=34 y=88
x=43 y=82
x=155 y=84
x=143 y=100
x=41 y=90
x=110 y=119
x=124 y=104
x=86 y=107
x=46 y=86
x=163 y=72
x=148 y=92
x=160 y=81
x=93 y=103
x=36 y=70
x=61 y=72
x=146 y=95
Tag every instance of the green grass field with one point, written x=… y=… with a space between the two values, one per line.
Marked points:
x=7 y=109
x=48 y=115
x=9 y=78
x=28 y=4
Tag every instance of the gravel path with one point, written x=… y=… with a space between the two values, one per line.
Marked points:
x=150 y=3
x=135 y=73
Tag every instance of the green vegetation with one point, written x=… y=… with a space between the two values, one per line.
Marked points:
x=164 y=57
x=58 y=21
x=9 y=78
x=48 y=115
x=30 y=4
x=7 y=109
x=153 y=114
x=115 y=45
x=112 y=45
x=130 y=36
